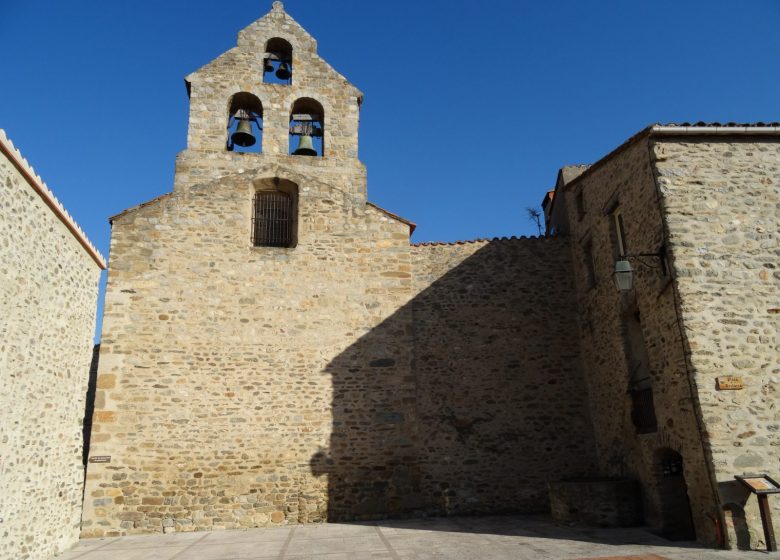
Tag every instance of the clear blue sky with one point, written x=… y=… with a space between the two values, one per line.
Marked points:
x=471 y=107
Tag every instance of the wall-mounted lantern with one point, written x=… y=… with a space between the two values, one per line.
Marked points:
x=623 y=274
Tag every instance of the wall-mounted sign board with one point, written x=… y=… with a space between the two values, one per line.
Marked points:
x=730 y=383
x=100 y=459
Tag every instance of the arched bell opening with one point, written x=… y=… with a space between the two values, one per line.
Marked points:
x=307 y=128
x=245 y=124
x=277 y=62
x=676 y=517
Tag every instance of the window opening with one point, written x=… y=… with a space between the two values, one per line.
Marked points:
x=640 y=380
x=245 y=124
x=277 y=62
x=580 y=204
x=620 y=233
x=643 y=411
x=307 y=123
x=274 y=219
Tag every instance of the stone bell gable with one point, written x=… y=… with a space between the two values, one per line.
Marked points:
x=237 y=80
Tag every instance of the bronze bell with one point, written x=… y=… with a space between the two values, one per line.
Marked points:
x=243 y=135
x=267 y=66
x=305 y=147
x=284 y=71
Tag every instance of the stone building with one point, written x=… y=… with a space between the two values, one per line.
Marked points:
x=49 y=275
x=696 y=208
x=275 y=351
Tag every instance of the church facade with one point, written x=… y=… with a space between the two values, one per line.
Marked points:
x=276 y=351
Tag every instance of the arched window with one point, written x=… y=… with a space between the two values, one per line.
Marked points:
x=277 y=62
x=245 y=123
x=275 y=214
x=307 y=123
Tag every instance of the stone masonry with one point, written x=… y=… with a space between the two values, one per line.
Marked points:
x=350 y=375
x=48 y=294
x=722 y=199
x=709 y=197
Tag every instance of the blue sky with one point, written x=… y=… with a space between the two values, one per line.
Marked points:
x=471 y=107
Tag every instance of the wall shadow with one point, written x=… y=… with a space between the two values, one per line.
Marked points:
x=89 y=405
x=735 y=497
x=466 y=400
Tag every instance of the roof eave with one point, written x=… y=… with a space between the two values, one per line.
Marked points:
x=412 y=225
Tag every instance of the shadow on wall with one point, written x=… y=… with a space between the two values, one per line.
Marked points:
x=735 y=497
x=468 y=399
x=89 y=407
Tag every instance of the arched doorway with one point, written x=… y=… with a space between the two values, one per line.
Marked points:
x=676 y=518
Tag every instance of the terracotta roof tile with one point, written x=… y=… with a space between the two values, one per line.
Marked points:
x=758 y=124
x=478 y=240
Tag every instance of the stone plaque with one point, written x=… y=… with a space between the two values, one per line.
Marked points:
x=100 y=459
x=730 y=383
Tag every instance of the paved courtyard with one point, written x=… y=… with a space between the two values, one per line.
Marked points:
x=455 y=538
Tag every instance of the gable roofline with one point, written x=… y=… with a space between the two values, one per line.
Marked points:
x=155 y=200
x=39 y=186
x=412 y=225
x=276 y=11
x=700 y=128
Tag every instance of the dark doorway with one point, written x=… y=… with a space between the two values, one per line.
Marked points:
x=676 y=518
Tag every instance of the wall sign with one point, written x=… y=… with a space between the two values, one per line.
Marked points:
x=100 y=459
x=762 y=485
x=759 y=483
x=730 y=383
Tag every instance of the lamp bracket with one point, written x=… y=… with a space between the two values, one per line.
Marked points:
x=660 y=254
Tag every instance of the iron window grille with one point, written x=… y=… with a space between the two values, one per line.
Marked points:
x=273 y=219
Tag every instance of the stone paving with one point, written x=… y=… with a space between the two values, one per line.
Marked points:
x=456 y=538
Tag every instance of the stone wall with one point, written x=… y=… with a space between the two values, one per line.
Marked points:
x=48 y=296
x=249 y=386
x=500 y=387
x=722 y=198
x=624 y=182
x=221 y=362
x=352 y=377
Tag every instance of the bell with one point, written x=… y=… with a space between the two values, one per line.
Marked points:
x=267 y=66
x=284 y=71
x=243 y=135
x=305 y=147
